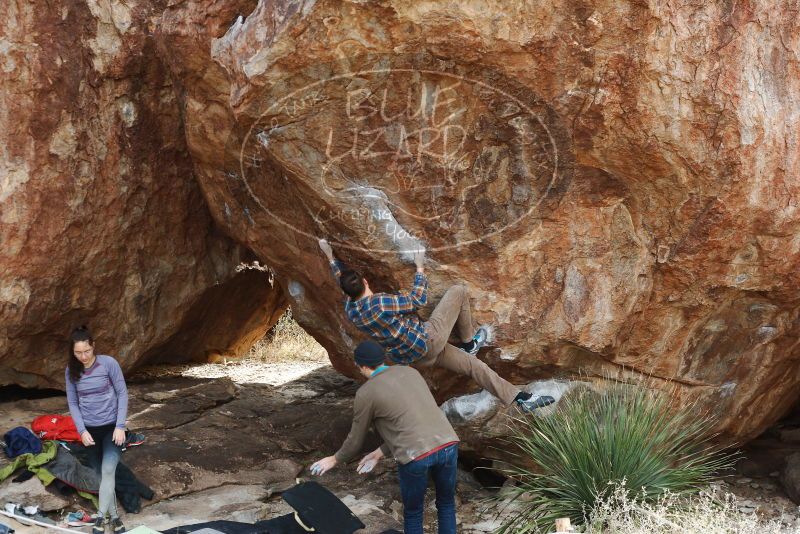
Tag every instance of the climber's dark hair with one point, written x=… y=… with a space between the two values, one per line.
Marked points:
x=79 y=333
x=352 y=283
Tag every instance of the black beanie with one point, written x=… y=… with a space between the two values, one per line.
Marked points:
x=369 y=354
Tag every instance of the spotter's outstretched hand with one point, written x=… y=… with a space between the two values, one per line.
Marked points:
x=369 y=461
x=323 y=466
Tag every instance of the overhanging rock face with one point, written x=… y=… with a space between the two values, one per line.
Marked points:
x=614 y=181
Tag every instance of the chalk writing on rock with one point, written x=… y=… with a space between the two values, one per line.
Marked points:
x=396 y=154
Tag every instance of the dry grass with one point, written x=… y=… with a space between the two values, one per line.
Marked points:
x=285 y=354
x=287 y=342
x=706 y=513
x=709 y=512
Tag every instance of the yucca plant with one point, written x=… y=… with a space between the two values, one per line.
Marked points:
x=567 y=461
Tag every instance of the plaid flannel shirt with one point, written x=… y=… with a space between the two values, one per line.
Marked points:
x=391 y=319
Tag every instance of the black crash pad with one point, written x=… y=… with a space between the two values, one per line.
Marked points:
x=321 y=510
x=285 y=524
x=227 y=527
x=317 y=508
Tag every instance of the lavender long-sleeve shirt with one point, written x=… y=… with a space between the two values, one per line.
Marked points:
x=100 y=397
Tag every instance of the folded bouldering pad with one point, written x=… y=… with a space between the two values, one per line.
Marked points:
x=321 y=510
x=317 y=509
x=285 y=524
x=225 y=527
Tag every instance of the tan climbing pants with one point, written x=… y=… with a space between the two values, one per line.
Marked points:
x=453 y=310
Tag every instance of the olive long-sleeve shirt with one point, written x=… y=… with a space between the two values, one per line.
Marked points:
x=400 y=405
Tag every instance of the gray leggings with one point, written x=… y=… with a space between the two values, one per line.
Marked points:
x=105 y=457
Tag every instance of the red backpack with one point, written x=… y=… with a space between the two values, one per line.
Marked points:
x=52 y=426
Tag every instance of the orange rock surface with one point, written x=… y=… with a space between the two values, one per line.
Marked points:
x=615 y=182
x=101 y=219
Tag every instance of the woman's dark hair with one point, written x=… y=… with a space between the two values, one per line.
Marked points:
x=352 y=283
x=80 y=333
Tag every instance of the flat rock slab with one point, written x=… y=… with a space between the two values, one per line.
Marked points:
x=32 y=492
x=232 y=502
x=176 y=407
x=215 y=449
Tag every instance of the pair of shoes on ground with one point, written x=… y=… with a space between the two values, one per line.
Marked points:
x=99 y=525
x=78 y=519
x=27 y=511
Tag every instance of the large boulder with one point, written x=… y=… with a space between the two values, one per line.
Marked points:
x=101 y=219
x=613 y=181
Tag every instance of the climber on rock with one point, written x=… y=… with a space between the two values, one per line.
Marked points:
x=391 y=319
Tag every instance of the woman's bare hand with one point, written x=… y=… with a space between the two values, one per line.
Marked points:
x=118 y=437
x=87 y=439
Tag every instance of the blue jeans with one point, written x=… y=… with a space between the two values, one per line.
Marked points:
x=414 y=481
x=105 y=458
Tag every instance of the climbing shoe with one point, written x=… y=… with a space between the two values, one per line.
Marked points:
x=478 y=340
x=534 y=402
x=117 y=526
x=99 y=525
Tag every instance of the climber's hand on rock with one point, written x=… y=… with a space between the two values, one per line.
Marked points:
x=419 y=259
x=326 y=248
x=323 y=466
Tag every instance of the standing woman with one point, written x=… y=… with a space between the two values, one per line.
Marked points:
x=98 y=403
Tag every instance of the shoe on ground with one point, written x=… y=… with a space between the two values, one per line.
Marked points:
x=132 y=439
x=117 y=526
x=34 y=513
x=478 y=340
x=98 y=524
x=535 y=402
x=79 y=519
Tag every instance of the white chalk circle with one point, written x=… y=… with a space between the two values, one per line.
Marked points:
x=429 y=149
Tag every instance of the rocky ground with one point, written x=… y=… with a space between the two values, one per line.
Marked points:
x=219 y=448
x=224 y=440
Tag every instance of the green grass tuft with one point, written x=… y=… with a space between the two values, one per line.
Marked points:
x=596 y=442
